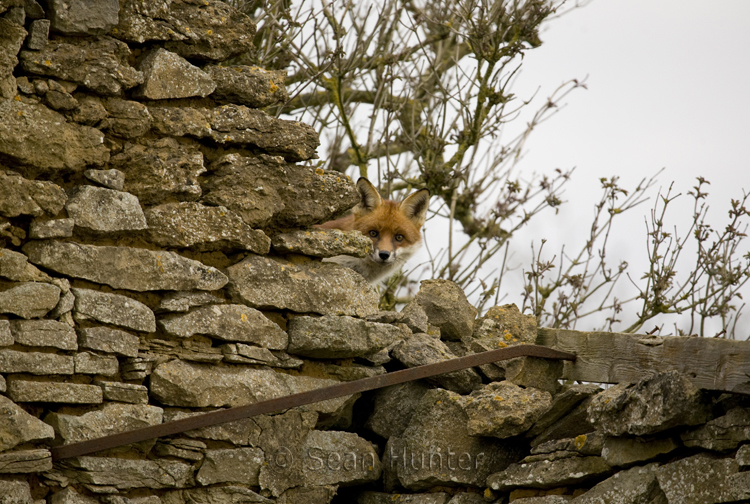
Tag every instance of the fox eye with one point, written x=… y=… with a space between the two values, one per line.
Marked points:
x=374 y=233
x=399 y=237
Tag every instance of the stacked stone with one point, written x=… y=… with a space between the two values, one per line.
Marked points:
x=158 y=263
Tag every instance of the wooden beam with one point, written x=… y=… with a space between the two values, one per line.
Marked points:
x=713 y=364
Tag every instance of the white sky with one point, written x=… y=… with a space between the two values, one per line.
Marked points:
x=668 y=87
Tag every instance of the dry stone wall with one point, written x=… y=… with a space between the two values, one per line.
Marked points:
x=157 y=262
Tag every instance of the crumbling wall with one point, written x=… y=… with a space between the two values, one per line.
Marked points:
x=158 y=262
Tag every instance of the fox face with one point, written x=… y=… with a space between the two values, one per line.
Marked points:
x=394 y=228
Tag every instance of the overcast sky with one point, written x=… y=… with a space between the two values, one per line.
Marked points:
x=668 y=87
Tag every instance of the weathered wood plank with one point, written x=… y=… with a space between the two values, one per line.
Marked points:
x=714 y=364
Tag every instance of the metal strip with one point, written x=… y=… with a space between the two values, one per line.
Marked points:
x=321 y=394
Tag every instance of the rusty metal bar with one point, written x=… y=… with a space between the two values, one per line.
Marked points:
x=302 y=398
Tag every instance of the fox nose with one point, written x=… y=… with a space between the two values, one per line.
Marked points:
x=384 y=255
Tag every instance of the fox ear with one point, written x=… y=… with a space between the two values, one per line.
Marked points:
x=369 y=197
x=415 y=206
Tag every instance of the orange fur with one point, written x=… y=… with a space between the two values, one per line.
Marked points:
x=394 y=228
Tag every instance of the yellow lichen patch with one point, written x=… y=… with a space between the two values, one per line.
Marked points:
x=500 y=344
x=507 y=336
x=498 y=398
x=243 y=317
x=47 y=62
x=17 y=98
x=273 y=87
x=438 y=402
x=579 y=441
x=209 y=32
x=319 y=171
x=487 y=493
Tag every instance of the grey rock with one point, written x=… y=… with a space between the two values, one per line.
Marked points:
x=26 y=461
x=308 y=495
x=125 y=267
x=736 y=488
x=38 y=34
x=184 y=301
x=619 y=452
x=58 y=98
x=501 y=327
x=743 y=455
x=269 y=193
x=178 y=383
x=721 y=434
x=346 y=372
x=38 y=363
x=247 y=354
x=90 y=112
x=187 y=449
x=104 y=210
x=322 y=243
x=563 y=403
x=420 y=349
x=239 y=125
x=42 y=229
x=245 y=85
x=243 y=432
x=18 y=427
x=91 y=363
x=546 y=499
x=42 y=142
x=126 y=119
x=112 y=179
x=167 y=76
x=467 y=498
x=200 y=227
x=98 y=64
x=6 y=337
x=33 y=9
x=83 y=17
x=626 y=487
x=124 y=392
x=446 y=307
x=24 y=85
x=15 y=266
x=141 y=21
x=338 y=458
x=310 y=287
x=437 y=449
x=571 y=425
x=696 y=480
x=70 y=496
x=549 y=474
x=28 y=299
x=16 y=492
x=44 y=333
x=503 y=410
x=109 y=340
x=584 y=444
x=231 y=465
x=652 y=405
x=20 y=196
x=105 y=420
x=229 y=322
x=11 y=38
x=214 y=495
x=370 y=497
x=114 y=309
x=330 y=337
x=20 y=390
x=124 y=474
x=534 y=372
x=161 y=169
x=414 y=316
x=15 y=15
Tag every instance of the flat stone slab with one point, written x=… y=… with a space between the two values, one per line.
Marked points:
x=105 y=210
x=44 y=333
x=370 y=497
x=98 y=64
x=311 y=287
x=124 y=392
x=124 y=474
x=114 y=309
x=228 y=322
x=38 y=363
x=80 y=17
x=246 y=85
x=503 y=409
x=95 y=364
x=26 y=461
x=178 y=383
x=106 y=339
x=125 y=267
x=231 y=465
x=20 y=390
x=330 y=337
x=698 y=479
x=112 y=179
x=20 y=196
x=201 y=227
x=107 y=419
x=549 y=473
x=15 y=266
x=43 y=142
x=51 y=228
x=446 y=307
x=323 y=243
x=634 y=485
x=28 y=299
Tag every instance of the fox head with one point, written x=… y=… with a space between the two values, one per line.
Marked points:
x=394 y=227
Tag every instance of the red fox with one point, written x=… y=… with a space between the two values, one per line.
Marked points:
x=393 y=227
